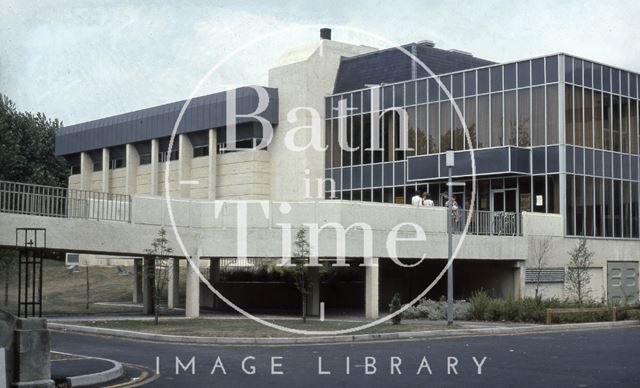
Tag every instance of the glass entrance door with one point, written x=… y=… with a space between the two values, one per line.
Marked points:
x=504 y=216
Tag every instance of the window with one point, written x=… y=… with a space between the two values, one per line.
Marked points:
x=497 y=136
x=568 y=115
x=165 y=156
x=579 y=204
x=483 y=121
x=552 y=114
x=434 y=129
x=117 y=163
x=458 y=130
x=357 y=136
x=625 y=125
x=606 y=121
x=483 y=81
x=200 y=151
x=588 y=202
x=597 y=120
x=470 y=83
x=470 y=118
x=496 y=79
x=523 y=74
x=578 y=128
x=537 y=115
x=328 y=143
x=524 y=117
x=588 y=118
x=552 y=69
x=97 y=166
x=599 y=208
x=537 y=71
x=511 y=118
x=510 y=76
x=569 y=221
x=615 y=130
x=75 y=169
x=145 y=159
x=634 y=127
x=421 y=132
x=335 y=145
x=445 y=126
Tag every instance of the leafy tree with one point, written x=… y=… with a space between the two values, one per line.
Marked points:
x=578 y=276
x=300 y=258
x=27 y=147
x=158 y=252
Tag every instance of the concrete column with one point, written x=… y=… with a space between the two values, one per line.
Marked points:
x=371 y=290
x=105 y=170
x=192 y=303
x=214 y=277
x=148 y=286
x=137 y=281
x=153 y=173
x=173 y=278
x=519 y=280
x=185 y=154
x=86 y=169
x=213 y=160
x=313 y=298
x=132 y=162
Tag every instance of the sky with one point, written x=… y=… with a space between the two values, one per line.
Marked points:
x=83 y=60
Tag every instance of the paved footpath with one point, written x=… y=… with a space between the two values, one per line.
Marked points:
x=593 y=358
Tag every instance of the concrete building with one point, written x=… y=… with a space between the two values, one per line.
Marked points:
x=555 y=143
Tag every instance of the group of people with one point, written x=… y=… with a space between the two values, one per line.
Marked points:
x=424 y=199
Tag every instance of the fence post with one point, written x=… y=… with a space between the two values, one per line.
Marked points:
x=548 y=321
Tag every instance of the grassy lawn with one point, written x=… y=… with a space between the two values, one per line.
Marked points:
x=65 y=293
x=242 y=327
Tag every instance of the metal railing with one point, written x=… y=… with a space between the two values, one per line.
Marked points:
x=489 y=223
x=51 y=201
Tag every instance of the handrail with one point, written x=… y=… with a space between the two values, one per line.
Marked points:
x=490 y=223
x=52 y=201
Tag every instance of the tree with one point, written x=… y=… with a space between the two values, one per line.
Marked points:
x=301 y=258
x=578 y=276
x=158 y=252
x=538 y=251
x=8 y=260
x=27 y=147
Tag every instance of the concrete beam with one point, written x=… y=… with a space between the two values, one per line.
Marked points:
x=192 y=303
x=213 y=160
x=137 y=281
x=86 y=169
x=105 y=170
x=148 y=286
x=132 y=162
x=173 y=278
x=185 y=155
x=371 y=290
x=153 y=173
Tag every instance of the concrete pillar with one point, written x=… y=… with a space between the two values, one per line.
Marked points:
x=148 y=286
x=132 y=162
x=185 y=154
x=214 y=277
x=213 y=160
x=371 y=290
x=173 y=278
x=137 y=281
x=519 y=280
x=313 y=298
x=153 y=173
x=86 y=169
x=105 y=170
x=192 y=303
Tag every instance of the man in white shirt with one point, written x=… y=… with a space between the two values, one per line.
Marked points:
x=416 y=200
x=426 y=200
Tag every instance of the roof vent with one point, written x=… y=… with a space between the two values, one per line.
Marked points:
x=325 y=33
x=460 y=52
x=426 y=42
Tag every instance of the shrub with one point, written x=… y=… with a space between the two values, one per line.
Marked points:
x=394 y=306
x=478 y=304
x=437 y=310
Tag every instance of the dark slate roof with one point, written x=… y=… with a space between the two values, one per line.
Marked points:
x=203 y=112
x=393 y=65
